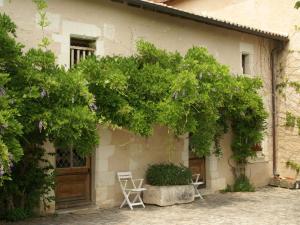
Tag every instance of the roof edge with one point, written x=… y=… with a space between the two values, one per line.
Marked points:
x=165 y=9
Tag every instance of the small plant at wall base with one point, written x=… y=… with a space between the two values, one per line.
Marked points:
x=241 y=184
x=294 y=166
x=168 y=174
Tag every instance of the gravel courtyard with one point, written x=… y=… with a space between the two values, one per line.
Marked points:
x=264 y=207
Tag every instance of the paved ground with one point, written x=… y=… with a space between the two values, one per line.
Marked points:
x=267 y=206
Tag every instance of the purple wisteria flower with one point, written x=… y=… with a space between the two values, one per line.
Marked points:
x=1 y=171
x=93 y=107
x=41 y=126
x=2 y=91
x=44 y=93
x=175 y=95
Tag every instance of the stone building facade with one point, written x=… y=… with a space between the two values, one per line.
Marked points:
x=278 y=16
x=114 y=28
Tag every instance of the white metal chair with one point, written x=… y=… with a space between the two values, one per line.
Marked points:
x=196 y=183
x=131 y=189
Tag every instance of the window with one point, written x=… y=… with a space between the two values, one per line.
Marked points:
x=66 y=158
x=80 y=49
x=246 y=63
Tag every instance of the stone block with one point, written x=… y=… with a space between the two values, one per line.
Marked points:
x=290 y=184
x=274 y=182
x=168 y=195
x=216 y=184
x=285 y=183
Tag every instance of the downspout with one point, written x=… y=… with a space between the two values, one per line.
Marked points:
x=274 y=53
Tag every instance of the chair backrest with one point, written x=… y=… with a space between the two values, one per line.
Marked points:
x=124 y=175
x=125 y=179
x=195 y=177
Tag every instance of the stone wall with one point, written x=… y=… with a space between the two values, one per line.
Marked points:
x=121 y=150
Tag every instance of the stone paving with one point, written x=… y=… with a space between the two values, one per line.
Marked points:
x=266 y=206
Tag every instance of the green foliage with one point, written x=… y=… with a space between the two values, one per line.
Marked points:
x=248 y=118
x=39 y=102
x=241 y=184
x=16 y=214
x=297 y=5
x=188 y=94
x=168 y=174
x=293 y=165
x=43 y=21
x=290 y=120
x=10 y=127
x=298 y=125
x=32 y=180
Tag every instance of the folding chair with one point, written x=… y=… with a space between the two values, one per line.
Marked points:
x=131 y=190
x=195 y=182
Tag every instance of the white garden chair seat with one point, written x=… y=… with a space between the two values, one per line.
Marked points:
x=136 y=189
x=131 y=189
x=196 y=183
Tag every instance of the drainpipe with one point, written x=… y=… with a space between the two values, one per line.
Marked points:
x=274 y=53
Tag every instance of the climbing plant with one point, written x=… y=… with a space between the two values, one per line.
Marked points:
x=10 y=127
x=188 y=94
x=39 y=102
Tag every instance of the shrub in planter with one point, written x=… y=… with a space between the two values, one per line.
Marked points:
x=166 y=174
x=16 y=214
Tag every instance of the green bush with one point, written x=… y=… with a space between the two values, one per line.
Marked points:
x=167 y=174
x=16 y=215
x=242 y=184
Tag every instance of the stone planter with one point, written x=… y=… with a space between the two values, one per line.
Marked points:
x=168 y=195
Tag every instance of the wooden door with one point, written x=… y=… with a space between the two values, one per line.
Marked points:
x=197 y=165
x=73 y=179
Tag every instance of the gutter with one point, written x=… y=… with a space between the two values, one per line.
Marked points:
x=274 y=53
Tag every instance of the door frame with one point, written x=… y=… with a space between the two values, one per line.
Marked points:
x=71 y=203
x=203 y=174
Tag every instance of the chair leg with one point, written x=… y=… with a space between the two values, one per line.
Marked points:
x=138 y=197
x=126 y=201
x=197 y=193
x=123 y=203
x=135 y=198
x=141 y=200
x=130 y=206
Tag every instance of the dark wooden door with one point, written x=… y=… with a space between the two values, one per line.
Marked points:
x=73 y=179
x=197 y=165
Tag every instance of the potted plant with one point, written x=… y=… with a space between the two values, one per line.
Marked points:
x=168 y=184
